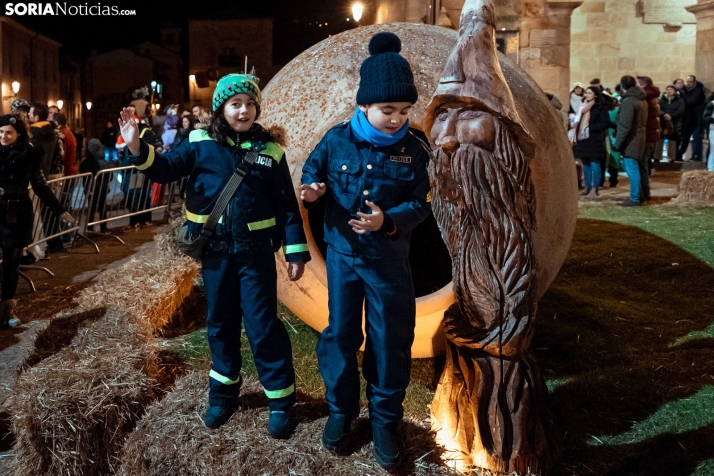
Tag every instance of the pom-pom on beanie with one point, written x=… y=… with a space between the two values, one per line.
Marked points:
x=232 y=84
x=386 y=75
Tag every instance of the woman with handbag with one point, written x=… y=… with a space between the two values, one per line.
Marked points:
x=236 y=171
x=19 y=167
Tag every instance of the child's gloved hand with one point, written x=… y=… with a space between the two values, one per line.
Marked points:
x=295 y=270
x=312 y=192
x=368 y=222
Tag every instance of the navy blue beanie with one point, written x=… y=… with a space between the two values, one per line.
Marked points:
x=386 y=76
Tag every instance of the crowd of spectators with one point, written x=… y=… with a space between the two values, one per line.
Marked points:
x=634 y=126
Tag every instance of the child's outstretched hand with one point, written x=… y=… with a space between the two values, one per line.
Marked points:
x=295 y=270
x=129 y=130
x=310 y=193
x=368 y=222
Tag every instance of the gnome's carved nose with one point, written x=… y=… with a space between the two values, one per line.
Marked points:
x=448 y=143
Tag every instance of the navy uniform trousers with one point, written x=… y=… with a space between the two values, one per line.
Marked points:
x=385 y=288
x=246 y=284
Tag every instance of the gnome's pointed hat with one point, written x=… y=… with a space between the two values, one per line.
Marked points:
x=473 y=74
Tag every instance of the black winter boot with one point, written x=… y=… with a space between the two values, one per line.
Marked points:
x=217 y=415
x=281 y=424
x=384 y=446
x=336 y=429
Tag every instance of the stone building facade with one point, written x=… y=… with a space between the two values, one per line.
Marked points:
x=30 y=59
x=562 y=41
x=218 y=46
x=610 y=38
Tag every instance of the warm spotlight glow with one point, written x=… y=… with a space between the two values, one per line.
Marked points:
x=89 y=105
x=15 y=87
x=192 y=78
x=60 y=103
x=357 y=10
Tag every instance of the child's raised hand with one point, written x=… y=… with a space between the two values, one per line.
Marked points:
x=310 y=193
x=129 y=130
x=368 y=222
x=295 y=270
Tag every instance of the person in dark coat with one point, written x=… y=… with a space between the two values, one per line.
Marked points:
x=591 y=131
x=185 y=128
x=695 y=102
x=109 y=141
x=708 y=126
x=93 y=163
x=43 y=135
x=654 y=129
x=20 y=166
x=671 y=113
x=631 y=136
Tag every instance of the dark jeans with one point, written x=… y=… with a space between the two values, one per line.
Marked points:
x=10 y=271
x=694 y=133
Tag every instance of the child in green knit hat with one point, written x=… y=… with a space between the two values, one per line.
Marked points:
x=238 y=266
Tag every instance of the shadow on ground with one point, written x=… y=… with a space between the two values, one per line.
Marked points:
x=605 y=338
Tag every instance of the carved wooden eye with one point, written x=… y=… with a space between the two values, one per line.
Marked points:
x=443 y=116
x=468 y=115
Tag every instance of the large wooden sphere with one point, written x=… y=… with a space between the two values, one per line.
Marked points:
x=317 y=90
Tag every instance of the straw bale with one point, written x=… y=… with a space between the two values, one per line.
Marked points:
x=696 y=188
x=171 y=440
x=151 y=286
x=73 y=409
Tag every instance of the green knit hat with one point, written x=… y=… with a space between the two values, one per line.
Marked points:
x=232 y=84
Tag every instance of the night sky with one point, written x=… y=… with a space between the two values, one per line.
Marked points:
x=296 y=25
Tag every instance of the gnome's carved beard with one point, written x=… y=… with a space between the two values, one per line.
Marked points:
x=486 y=401
x=487 y=231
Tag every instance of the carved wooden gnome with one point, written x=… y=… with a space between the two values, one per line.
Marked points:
x=488 y=406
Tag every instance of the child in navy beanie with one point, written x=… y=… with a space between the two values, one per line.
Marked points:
x=371 y=174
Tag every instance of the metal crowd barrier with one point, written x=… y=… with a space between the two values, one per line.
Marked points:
x=123 y=192
x=46 y=226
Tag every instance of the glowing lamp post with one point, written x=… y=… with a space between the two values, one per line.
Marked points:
x=357 y=10
x=15 y=89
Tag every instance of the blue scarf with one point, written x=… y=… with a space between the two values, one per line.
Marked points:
x=366 y=131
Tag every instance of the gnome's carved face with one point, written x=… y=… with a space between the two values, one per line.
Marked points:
x=467 y=125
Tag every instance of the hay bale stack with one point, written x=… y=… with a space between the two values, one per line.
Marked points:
x=73 y=409
x=696 y=188
x=171 y=440
x=151 y=287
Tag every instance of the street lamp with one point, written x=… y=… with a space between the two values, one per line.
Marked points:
x=357 y=10
x=89 y=105
x=15 y=90
x=60 y=103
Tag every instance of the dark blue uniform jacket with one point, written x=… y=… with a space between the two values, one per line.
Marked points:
x=264 y=212
x=393 y=177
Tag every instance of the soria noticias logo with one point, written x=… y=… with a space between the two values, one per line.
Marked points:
x=63 y=9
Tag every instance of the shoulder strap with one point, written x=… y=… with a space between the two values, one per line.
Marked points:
x=228 y=191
